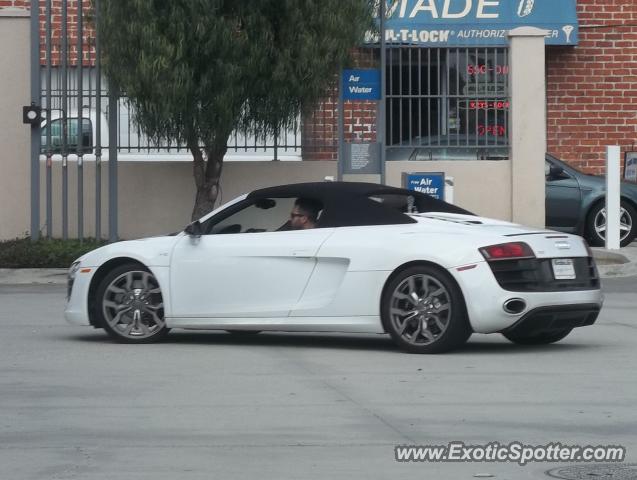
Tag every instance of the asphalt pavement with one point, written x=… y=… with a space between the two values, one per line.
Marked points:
x=75 y=405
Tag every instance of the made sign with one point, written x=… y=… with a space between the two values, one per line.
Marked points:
x=478 y=22
x=361 y=85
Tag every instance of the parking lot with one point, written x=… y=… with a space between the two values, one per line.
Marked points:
x=75 y=405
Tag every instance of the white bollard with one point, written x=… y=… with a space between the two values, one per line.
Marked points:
x=613 y=177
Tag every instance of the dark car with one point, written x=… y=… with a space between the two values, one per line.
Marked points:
x=575 y=203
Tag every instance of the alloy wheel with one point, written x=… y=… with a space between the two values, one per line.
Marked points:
x=132 y=305
x=420 y=309
x=625 y=223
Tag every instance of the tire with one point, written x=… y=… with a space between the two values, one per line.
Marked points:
x=539 y=339
x=424 y=296
x=130 y=305
x=596 y=224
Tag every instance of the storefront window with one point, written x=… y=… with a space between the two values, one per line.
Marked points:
x=447 y=103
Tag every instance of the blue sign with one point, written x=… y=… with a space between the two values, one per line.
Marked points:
x=478 y=22
x=432 y=184
x=361 y=84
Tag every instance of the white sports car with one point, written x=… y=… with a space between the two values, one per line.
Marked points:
x=341 y=257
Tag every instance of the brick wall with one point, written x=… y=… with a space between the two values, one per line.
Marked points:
x=15 y=3
x=88 y=33
x=592 y=88
x=320 y=128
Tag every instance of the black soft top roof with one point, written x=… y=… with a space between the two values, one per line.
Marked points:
x=350 y=203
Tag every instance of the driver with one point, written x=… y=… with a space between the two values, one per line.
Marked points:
x=304 y=214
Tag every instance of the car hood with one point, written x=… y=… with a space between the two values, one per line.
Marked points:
x=151 y=251
x=599 y=181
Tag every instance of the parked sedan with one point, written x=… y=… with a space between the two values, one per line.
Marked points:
x=344 y=257
x=575 y=203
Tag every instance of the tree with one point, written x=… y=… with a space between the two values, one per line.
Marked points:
x=195 y=70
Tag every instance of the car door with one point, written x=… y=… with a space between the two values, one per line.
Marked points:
x=563 y=200
x=244 y=267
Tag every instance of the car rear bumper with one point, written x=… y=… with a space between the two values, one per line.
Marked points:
x=485 y=299
x=552 y=319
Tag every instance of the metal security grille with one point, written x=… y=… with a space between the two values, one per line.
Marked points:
x=85 y=124
x=447 y=103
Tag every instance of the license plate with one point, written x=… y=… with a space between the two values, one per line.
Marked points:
x=564 y=269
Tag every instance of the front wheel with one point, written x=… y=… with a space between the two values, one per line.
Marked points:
x=596 y=225
x=130 y=305
x=538 y=339
x=423 y=310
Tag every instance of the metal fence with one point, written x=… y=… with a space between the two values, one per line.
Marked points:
x=447 y=103
x=83 y=121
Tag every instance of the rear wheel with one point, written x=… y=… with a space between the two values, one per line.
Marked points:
x=130 y=305
x=424 y=312
x=538 y=339
x=596 y=224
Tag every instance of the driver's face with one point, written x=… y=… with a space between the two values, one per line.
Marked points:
x=298 y=220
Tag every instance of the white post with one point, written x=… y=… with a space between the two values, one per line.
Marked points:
x=527 y=82
x=612 y=197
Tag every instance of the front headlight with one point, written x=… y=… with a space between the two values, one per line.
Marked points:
x=70 y=278
x=75 y=267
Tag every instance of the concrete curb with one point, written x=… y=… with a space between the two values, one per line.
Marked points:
x=616 y=263
x=33 y=276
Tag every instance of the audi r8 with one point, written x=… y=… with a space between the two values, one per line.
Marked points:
x=367 y=258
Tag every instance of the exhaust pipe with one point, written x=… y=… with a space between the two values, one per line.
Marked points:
x=514 y=306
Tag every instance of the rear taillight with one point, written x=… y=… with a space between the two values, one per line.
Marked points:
x=507 y=251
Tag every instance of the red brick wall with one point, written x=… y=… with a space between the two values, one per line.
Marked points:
x=88 y=42
x=320 y=128
x=15 y=3
x=592 y=88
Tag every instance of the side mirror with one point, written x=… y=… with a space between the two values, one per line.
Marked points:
x=194 y=229
x=556 y=171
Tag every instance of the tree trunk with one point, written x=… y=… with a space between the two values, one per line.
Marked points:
x=207 y=173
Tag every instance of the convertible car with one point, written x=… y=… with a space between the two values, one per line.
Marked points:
x=342 y=257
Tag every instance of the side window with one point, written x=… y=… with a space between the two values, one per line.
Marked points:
x=74 y=135
x=264 y=215
x=402 y=203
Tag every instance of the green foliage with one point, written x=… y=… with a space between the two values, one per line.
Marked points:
x=22 y=253
x=197 y=69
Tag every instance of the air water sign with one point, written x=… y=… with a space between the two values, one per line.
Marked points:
x=432 y=184
x=361 y=84
x=478 y=22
